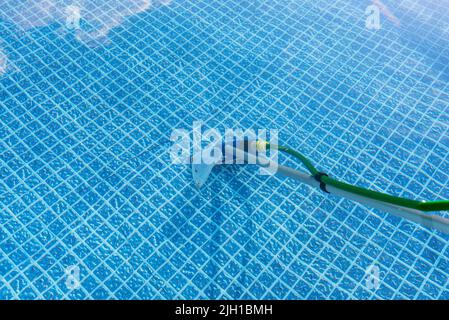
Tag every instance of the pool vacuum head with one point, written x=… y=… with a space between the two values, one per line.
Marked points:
x=230 y=151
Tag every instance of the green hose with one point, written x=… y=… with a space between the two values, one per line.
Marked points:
x=441 y=205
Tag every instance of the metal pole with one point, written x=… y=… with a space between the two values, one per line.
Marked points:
x=422 y=218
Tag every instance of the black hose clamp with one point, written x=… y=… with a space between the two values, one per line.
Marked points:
x=318 y=177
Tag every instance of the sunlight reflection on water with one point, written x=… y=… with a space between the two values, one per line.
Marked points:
x=90 y=20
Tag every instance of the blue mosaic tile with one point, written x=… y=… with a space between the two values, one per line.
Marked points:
x=87 y=182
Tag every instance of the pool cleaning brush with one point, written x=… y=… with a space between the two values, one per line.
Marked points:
x=246 y=151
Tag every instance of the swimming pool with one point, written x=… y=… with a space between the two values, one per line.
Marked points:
x=92 y=207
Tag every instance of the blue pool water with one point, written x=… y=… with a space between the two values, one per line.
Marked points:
x=88 y=190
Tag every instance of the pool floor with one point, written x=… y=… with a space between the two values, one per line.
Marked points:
x=91 y=206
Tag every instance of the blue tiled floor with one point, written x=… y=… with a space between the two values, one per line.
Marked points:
x=87 y=181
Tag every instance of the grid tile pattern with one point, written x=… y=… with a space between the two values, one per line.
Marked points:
x=86 y=178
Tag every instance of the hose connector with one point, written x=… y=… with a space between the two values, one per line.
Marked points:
x=319 y=177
